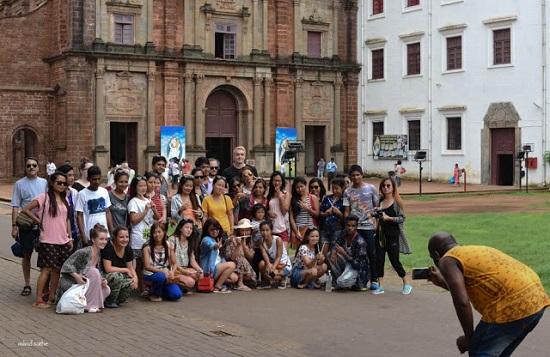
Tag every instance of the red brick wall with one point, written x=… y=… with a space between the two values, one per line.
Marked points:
x=158 y=25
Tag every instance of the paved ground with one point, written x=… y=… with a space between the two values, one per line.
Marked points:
x=259 y=323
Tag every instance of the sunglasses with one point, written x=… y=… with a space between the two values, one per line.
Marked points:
x=61 y=183
x=214 y=167
x=213 y=229
x=313 y=187
x=31 y=165
x=387 y=186
x=237 y=185
x=199 y=177
x=139 y=178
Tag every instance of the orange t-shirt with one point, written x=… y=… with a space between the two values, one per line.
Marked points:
x=500 y=288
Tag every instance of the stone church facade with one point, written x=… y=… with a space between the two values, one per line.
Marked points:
x=99 y=78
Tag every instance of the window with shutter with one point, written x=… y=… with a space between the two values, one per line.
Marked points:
x=501 y=46
x=124 y=29
x=454 y=133
x=377 y=64
x=454 y=53
x=314 y=44
x=414 y=134
x=413 y=58
x=225 y=39
x=377 y=7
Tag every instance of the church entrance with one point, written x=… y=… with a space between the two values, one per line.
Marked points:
x=221 y=126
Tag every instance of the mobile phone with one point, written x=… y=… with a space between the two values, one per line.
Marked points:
x=272 y=275
x=421 y=273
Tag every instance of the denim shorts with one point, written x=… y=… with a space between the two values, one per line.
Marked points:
x=296 y=277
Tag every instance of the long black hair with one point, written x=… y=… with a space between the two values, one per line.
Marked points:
x=52 y=209
x=191 y=239
x=294 y=205
x=271 y=192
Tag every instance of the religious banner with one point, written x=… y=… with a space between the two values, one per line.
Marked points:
x=172 y=142
x=390 y=147
x=283 y=162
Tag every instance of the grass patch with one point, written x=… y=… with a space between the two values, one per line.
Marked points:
x=433 y=197
x=521 y=235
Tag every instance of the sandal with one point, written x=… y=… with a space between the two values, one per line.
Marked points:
x=155 y=298
x=301 y=286
x=144 y=293
x=282 y=285
x=243 y=288
x=26 y=290
x=41 y=304
x=222 y=290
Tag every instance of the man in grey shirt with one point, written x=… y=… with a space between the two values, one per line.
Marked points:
x=24 y=191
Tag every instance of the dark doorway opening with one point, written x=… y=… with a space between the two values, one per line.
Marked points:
x=220 y=148
x=124 y=144
x=505 y=170
x=24 y=145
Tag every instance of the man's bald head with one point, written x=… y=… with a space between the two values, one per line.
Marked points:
x=441 y=242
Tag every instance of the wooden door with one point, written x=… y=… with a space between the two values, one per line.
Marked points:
x=502 y=148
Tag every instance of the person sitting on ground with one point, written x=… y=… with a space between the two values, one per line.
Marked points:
x=276 y=265
x=348 y=258
x=508 y=294
x=159 y=266
x=119 y=269
x=259 y=214
x=212 y=260
x=85 y=264
x=308 y=265
x=182 y=242
x=237 y=251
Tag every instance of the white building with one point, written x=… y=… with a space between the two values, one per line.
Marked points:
x=465 y=80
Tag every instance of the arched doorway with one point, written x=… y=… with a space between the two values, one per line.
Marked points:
x=24 y=144
x=221 y=126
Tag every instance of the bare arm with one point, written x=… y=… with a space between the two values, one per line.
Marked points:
x=80 y=223
x=28 y=208
x=14 y=228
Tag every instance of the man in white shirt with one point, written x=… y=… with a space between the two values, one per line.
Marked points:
x=50 y=167
x=92 y=206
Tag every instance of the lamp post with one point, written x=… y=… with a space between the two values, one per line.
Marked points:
x=420 y=157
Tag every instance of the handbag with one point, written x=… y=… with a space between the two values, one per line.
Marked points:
x=24 y=222
x=16 y=249
x=206 y=284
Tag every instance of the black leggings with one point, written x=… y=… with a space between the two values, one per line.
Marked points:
x=392 y=248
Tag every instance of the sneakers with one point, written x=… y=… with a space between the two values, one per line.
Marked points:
x=378 y=291
x=374 y=285
x=406 y=289
x=264 y=285
x=282 y=285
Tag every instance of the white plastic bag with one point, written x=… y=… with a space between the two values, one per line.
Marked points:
x=73 y=300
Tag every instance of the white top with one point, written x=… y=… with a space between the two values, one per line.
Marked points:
x=137 y=205
x=272 y=252
x=93 y=205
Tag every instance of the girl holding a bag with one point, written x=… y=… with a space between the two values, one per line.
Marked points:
x=56 y=242
x=85 y=264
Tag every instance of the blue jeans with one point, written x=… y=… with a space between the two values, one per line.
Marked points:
x=501 y=339
x=368 y=235
x=160 y=288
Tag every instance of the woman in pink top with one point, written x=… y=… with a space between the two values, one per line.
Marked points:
x=56 y=242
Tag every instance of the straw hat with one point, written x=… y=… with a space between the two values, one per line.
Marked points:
x=243 y=224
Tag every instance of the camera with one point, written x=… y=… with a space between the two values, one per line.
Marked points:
x=377 y=213
x=421 y=273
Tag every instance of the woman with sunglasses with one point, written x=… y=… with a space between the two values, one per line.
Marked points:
x=56 y=241
x=236 y=193
x=247 y=175
x=391 y=234
x=213 y=258
x=72 y=196
x=317 y=188
x=185 y=203
x=219 y=206
x=198 y=188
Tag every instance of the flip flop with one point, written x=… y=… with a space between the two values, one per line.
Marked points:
x=26 y=290
x=41 y=305
x=243 y=288
x=222 y=290
x=155 y=298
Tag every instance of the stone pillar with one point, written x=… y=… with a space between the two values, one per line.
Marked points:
x=297 y=27
x=249 y=120
x=264 y=27
x=255 y=14
x=337 y=136
x=257 y=112
x=171 y=77
x=196 y=23
x=101 y=154
x=188 y=110
x=268 y=82
x=200 y=112
x=299 y=166
x=335 y=9
x=149 y=21
x=151 y=149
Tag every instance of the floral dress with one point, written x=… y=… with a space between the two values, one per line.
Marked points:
x=243 y=266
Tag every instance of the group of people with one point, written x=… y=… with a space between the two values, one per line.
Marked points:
x=237 y=229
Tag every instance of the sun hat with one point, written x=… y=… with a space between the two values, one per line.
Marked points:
x=243 y=224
